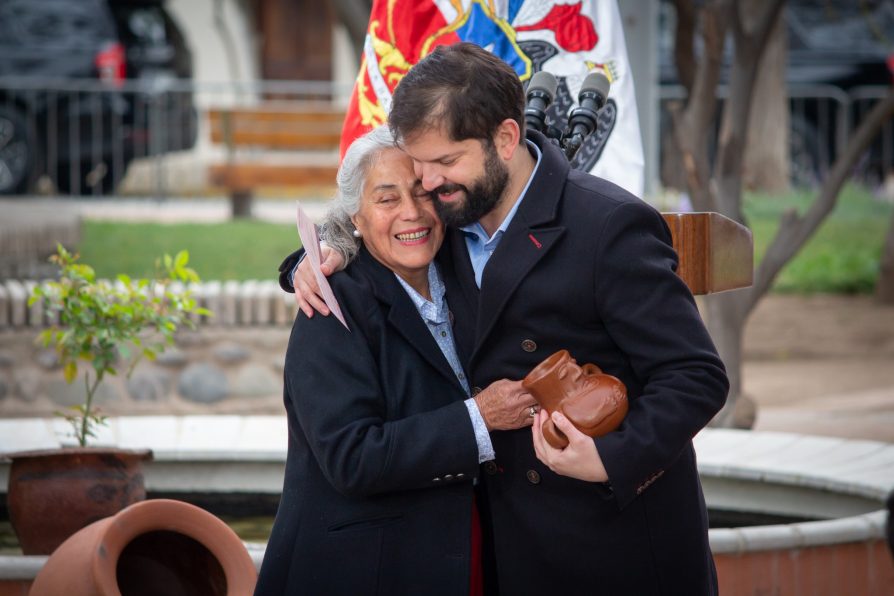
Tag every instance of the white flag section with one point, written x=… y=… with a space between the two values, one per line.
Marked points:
x=619 y=156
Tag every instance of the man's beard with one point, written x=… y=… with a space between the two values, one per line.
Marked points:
x=480 y=200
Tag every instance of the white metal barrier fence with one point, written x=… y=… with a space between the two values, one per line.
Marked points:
x=80 y=137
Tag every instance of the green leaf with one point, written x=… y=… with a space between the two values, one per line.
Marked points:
x=70 y=371
x=46 y=336
x=101 y=324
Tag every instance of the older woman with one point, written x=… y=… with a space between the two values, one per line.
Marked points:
x=384 y=439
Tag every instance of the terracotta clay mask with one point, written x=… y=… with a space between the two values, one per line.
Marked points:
x=593 y=401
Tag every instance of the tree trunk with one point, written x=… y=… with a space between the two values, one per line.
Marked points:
x=720 y=188
x=766 y=165
x=726 y=316
x=884 y=289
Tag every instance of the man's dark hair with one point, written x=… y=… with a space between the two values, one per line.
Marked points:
x=463 y=87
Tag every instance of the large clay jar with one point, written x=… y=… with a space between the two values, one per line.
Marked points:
x=153 y=548
x=594 y=402
x=53 y=493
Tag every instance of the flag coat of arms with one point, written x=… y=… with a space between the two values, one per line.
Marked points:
x=569 y=39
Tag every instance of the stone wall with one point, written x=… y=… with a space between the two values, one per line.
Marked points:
x=231 y=363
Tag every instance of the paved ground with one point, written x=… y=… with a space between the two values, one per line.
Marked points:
x=822 y=365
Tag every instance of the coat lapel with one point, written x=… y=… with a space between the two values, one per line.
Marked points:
x=403 y=316
x=462 y=293
x=456 y=259
x=529 y=237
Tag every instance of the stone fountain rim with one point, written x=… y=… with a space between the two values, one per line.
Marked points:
x=861 y=468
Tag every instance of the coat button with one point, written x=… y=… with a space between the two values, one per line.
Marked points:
x=476 y=391
x=490 y=467
x=448 y=476
x=533 y=476
x=528 y=345
x=435 y=479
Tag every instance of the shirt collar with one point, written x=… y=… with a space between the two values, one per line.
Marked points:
x=477 y=230
x=435 y=310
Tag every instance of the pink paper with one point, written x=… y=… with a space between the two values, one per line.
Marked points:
x=311 y=242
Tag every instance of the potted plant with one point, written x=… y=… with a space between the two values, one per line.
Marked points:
x=107 y=326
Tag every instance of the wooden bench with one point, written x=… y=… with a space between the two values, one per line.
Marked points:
x=279 y=137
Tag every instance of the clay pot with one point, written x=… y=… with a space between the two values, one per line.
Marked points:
x=53 y=493
x=154 y=547
x=594 y=402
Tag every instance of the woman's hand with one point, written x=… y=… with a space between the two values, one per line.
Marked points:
x=307 y=291
x=579 y=459
x=505 y=405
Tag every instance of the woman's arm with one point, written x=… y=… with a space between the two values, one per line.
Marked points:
x=334 y=389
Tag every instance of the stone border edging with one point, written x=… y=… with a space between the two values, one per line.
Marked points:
x=14 y=567
x=233 y=303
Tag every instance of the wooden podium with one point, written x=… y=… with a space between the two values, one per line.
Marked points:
x=716 y=253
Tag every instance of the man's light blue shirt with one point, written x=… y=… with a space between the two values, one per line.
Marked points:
x=477 y=242
x=436 y=315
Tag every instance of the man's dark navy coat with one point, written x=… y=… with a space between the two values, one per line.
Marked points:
x=587 y=267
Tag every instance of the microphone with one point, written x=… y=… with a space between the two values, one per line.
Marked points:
x=583 y=119
x=541 y=93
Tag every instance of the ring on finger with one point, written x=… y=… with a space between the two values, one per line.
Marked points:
x=532 y=411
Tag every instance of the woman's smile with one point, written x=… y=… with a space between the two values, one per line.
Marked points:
x=412 y=237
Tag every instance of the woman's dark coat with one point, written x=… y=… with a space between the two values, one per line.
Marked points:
x=378 y=490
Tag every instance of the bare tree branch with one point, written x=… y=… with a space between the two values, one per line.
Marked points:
x=703 y=101
x=694 y=126
x=794 y=231
x=760 y=35
x=354 y=15
x=750 y=46
x=684 y=38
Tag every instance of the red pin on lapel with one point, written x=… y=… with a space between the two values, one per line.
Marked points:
x=535 y=241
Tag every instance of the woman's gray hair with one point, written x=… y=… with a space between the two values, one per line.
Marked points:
x=338 y=230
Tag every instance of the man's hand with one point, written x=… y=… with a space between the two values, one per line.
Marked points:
x=307 y=291
x=505 y=405
x=579 y=459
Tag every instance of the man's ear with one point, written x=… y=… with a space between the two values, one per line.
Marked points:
x=507 y=138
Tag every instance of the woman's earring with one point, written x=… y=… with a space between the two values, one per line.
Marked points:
x=357 y=233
